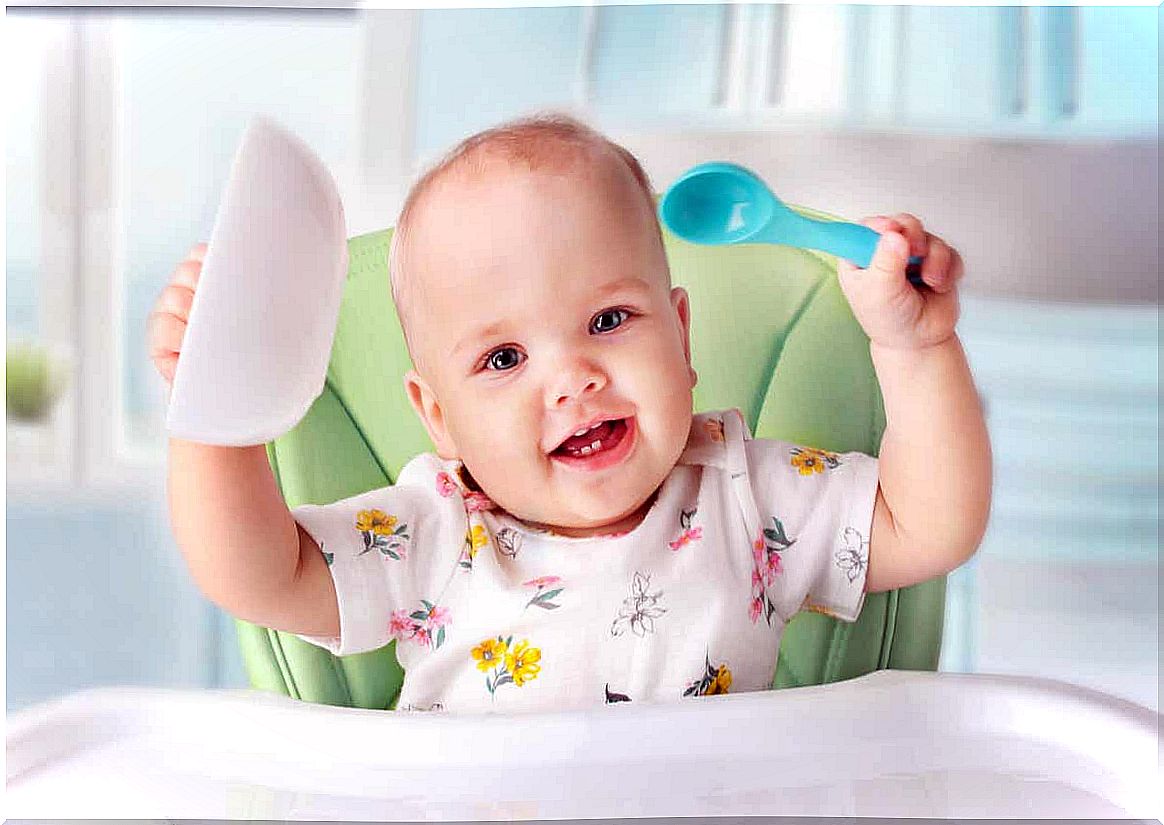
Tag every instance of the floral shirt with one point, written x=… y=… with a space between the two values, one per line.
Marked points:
x=490 y=614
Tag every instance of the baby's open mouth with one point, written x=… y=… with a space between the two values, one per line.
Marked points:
x=602 y=436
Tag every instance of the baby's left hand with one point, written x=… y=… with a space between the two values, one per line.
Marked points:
x=894 y=313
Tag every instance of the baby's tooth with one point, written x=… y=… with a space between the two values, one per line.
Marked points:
x=581 y=432
x=596 y=445
x=586 y=450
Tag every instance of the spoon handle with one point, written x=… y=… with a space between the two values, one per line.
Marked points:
x=856 y=243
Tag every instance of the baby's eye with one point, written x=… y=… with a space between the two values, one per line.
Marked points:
x=505 y=358
x=609 y=320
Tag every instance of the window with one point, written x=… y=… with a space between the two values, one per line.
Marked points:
x=119 y=149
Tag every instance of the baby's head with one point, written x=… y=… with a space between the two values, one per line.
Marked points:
x=528 y=271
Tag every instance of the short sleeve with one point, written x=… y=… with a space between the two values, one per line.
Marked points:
x=388 y=551
x=816 y=511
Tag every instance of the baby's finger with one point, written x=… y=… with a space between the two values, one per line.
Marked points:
x=164 y=333
x=914 y=232
x=176 y=300
x=937 y=270
x=166 y=366
x=165 y=336
x=890 y=258
x=882 y=224
x=958 y=267
x=186 y=274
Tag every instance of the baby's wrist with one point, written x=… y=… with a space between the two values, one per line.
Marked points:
x=899 y=353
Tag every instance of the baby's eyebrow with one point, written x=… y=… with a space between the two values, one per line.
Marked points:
x=477 y=334
x=631 y=284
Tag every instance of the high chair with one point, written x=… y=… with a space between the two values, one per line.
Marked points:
x=771 y=334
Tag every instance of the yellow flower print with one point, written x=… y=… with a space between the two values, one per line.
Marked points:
x=490 y=653
x=381 y=532
x=507 y=663
x=721 y=683
x=375 y=521
x=715 y=680
x=809 y=460
x=476 y=538
x=522 y=662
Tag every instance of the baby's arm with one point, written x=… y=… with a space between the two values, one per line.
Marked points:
x=935 y=460
x=935 y=466
x=243 y=548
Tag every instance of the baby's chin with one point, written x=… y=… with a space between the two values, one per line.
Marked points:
x=603 y=521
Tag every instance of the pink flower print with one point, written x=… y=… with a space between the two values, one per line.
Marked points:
x=400 y=626
x=774 y=568
x=425 y=625
x=766 y=566
x=758 y=552
x=437 y=617
x=475 y=502
x=686 y=537
x=690 y=532
x=548 y=588
x=445 y=485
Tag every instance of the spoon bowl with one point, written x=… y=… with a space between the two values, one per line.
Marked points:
x=723 y=203
x=718 y=203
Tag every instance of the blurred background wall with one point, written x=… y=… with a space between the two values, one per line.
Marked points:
x=1026 y=136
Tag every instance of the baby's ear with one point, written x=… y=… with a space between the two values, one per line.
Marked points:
x=428 y=409
x=682 y=306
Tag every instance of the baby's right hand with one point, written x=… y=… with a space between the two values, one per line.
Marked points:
x=166 y=326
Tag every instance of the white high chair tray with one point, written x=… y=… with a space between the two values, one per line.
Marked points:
x=890 y=744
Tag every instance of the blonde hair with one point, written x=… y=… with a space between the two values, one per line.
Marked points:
x=533 y=142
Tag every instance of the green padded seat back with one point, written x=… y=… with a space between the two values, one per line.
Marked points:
x=771 y=334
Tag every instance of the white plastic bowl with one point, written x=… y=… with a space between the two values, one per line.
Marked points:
x=260 y=331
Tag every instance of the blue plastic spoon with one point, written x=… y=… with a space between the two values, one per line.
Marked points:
x=722 y=203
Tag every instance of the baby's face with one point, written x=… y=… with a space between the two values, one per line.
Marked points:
x=541 y=307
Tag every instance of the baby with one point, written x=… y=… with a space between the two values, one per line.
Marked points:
x=579 y=536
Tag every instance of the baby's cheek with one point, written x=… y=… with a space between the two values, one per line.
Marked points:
x=502 y=472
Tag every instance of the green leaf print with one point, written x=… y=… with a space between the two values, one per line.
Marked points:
x=777 y=536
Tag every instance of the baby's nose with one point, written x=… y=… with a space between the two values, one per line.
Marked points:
x=574 y=382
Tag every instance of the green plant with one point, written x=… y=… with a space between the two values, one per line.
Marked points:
x=34 y=378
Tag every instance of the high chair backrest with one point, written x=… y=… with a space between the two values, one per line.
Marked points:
x=771 y=334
